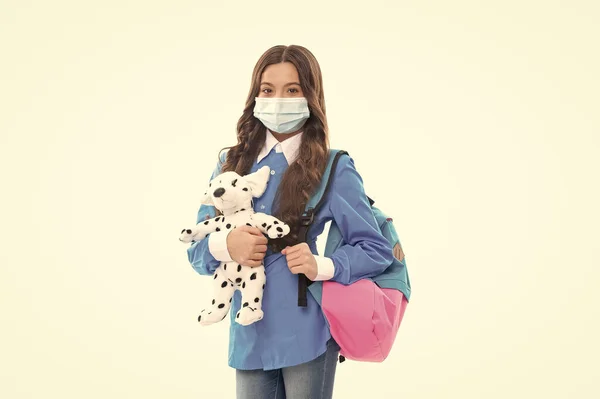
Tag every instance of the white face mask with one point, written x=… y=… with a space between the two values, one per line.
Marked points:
x=282 y=115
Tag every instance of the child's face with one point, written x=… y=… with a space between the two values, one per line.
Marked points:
x=280 y=80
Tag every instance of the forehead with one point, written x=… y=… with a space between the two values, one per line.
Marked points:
x=281 y=73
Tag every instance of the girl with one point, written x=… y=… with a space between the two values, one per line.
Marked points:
x=290 y=353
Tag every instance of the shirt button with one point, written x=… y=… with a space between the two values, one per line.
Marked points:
x=272 y=172
x=262 y=207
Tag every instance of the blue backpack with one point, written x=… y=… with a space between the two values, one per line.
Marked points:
x=364 y=316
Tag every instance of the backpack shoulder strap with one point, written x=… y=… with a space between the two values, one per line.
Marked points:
x=311 y=208
x=316 y=201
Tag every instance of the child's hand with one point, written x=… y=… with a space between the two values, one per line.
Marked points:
x=301 y=260
x=247 y=246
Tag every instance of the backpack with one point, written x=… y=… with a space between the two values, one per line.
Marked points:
x=363 y=317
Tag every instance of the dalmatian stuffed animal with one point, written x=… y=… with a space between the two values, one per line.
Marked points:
x=232 y=194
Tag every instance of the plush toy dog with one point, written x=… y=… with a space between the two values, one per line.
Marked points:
x=232 y=194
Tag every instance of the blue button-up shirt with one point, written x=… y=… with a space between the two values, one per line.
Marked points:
x=288 y=334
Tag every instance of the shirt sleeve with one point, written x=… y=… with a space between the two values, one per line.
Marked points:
x=199 y=253
x=325 y=268
x=217 y=245
x=365 y=251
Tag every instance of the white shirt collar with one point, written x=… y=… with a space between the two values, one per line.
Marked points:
x=290 y=147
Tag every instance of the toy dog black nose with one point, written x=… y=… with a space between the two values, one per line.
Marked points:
x=219 y=192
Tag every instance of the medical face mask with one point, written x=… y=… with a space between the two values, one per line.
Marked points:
x=282 y=115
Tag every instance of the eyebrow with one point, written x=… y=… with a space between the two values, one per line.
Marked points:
x=289 y=84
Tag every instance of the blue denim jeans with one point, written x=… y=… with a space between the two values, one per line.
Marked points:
x=311 y=380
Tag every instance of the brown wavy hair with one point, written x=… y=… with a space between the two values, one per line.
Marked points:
x=303 y=176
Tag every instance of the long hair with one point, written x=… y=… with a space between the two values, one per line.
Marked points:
x=303 y=176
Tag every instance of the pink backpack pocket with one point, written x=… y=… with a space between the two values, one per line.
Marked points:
x=363 y=318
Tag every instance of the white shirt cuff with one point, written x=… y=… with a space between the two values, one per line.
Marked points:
x=217 y=245
x=325 y=268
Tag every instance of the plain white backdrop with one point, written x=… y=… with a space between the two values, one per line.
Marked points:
x=474 y=125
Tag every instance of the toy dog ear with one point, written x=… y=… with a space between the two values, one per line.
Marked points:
x=258 y=181
x=206 y=199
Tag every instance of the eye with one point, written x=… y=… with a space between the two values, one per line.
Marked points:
x=245 y=188
x=233 y=182
x=294 y=90
x=266 y=91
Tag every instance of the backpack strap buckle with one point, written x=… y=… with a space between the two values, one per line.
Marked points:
x=307 y=217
